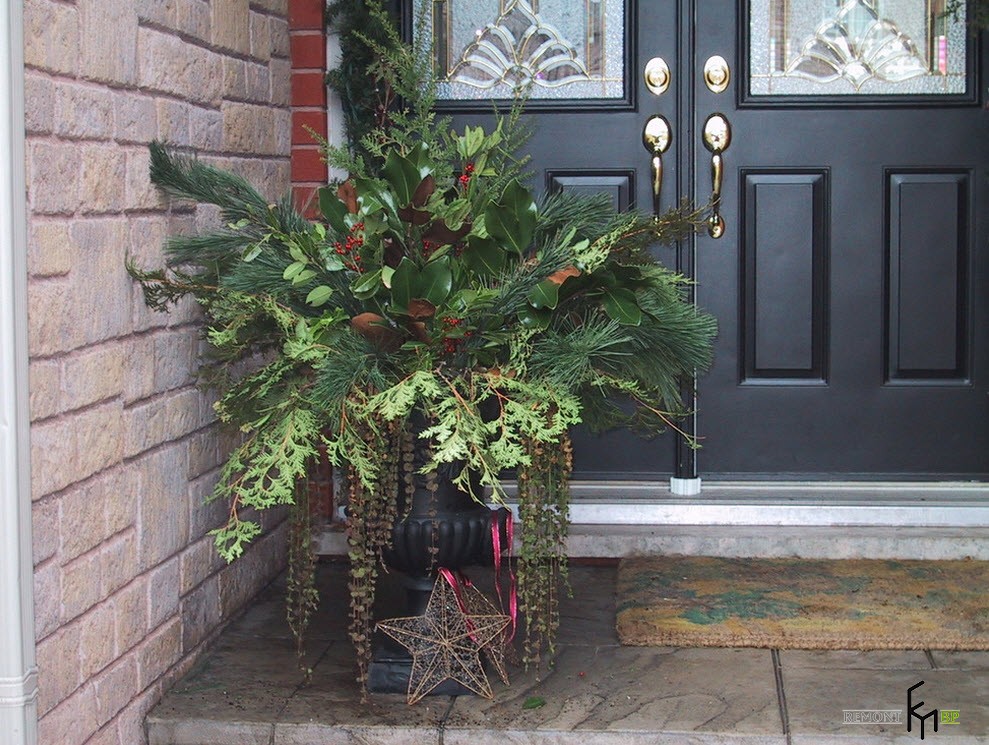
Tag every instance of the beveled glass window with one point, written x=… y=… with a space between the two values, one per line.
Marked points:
x=563 y=49
x=856 y=47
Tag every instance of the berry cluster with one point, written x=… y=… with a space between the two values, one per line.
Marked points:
x=349 y=249
x=451 y=345
x=466 y=175
x=428 y=247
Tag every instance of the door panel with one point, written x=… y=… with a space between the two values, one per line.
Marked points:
x=847 y=286
x=850 y=282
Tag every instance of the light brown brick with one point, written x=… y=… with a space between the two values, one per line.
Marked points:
x=194 y=18
x=161 y=420
x=135 y=116
x=83 y=111
x=159 y=652
x=47 y=597
x=170 y=65
x=130 y=722
x=72 y=722
x=114 y=688
x=49 y=249
x=200 y=614
x=83 y=525
x=100 y=438
x=103 y=185
x=109 y=40
x=118 y=563
x=163 y=592
x=173 y=122
x=260 y=36
x=92 y=375
x=97 y=645
x=278 y=30
x=205 y=129
x=162 y=529
x=53 y=456
x=141 y=194
x=160 y=12
x=123 y=489
x=58 y=164
x=51 y=36
x=102 y=297
x=248 y=128
x=45 y=381
x=58 y=668
x=230 y=25
x=281 y=90
x=197 y=563
x=175 y=358
x=258 y=83
x=45 y=530
x=278 y=7
x=139 y=381
x=39 y=103
x=204 y=454
x=130 y=608
x=234 y=78
x=80 y=586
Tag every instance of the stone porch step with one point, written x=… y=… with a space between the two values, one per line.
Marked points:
x=248 y=691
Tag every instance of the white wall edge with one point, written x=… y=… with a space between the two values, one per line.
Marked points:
x=18 y=676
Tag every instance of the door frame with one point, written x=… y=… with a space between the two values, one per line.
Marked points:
x=18 y=670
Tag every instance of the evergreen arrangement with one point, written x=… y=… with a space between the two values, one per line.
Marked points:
x=436 y=288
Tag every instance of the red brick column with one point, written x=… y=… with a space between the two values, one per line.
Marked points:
x=307 y=33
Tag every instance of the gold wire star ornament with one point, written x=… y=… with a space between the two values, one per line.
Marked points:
x=445 y=644
x=499 y=650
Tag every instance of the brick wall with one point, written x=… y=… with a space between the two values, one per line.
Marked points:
x=307 y=34
x=127 y=586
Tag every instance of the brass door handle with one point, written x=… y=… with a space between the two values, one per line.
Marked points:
x=656 y=137
x=717 y=138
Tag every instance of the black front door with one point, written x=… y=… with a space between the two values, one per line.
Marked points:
x=850 y=278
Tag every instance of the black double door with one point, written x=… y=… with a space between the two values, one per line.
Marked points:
x=851 y=279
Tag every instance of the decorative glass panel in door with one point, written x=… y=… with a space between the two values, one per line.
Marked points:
x=564 y=50
x=856 y=48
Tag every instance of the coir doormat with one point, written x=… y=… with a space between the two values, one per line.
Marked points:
x=803 y=604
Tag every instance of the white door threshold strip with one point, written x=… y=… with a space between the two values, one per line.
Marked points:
x=809 y=504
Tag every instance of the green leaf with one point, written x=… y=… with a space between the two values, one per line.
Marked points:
x=485 y=256
x=293 y=269
x=403 y=175
x=304 y=276
x=386 y=274
x=513 y=219
x=620 y=305
x=252 y=252
x=332 y=208
x=435 y=281
x=319 y=295
x=367 y=286
x=535 y=319
x=404 y=282
x=545 y=295
x=534 y=702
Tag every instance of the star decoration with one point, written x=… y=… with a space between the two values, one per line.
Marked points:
x=499 y=650
x=444 y=644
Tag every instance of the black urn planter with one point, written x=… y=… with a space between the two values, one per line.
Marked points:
x=444 y=528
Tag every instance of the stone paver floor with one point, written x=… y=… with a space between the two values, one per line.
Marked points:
x=247 y=690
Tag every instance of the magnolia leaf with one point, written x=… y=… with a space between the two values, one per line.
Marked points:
x=319 y=295
x=485 y=256
x=333 y=209
x=414 y=216
x=403 y=175
x=418 y=331
x=534 y=319
x=620 y=305
x=425 y=190
x=386 y=272
x=436 y=281
x=404 y=282
x=545 y=295
x=513 y=219
x=439 y=232
x=376 y=330
x=561 y=276
x=347 y=194
x=419 y=308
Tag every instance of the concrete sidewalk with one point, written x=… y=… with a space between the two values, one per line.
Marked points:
x=248 y=692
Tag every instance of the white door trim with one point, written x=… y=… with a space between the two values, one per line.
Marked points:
x=18 y=673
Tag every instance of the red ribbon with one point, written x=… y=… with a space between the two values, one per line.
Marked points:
x=513 y=602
